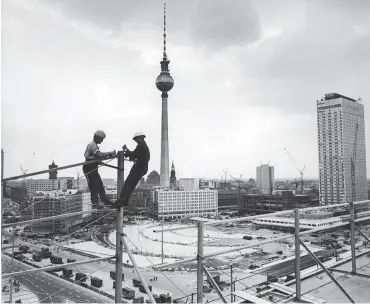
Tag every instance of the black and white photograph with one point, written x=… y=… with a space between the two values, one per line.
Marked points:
x=185 y=151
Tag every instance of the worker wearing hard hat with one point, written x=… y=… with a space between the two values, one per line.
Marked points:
x=140 y=156
x=93 y=178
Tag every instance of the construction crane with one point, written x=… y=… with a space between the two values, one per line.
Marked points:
x=24 y=171
x=239 y=181
x=301 y=172
x=353 y=165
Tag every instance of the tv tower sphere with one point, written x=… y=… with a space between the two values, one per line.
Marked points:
x=164 y=82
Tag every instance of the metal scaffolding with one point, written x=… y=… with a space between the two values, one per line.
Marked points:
x=121 y=241
x=201 y=256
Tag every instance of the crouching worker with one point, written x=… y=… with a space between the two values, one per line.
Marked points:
x=91 y=170
x=140 y=156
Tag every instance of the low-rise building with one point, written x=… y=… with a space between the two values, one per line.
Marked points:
x=169 y=204
x=304 y=224
x=36 y=185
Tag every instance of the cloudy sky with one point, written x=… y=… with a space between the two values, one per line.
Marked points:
x=247 y=77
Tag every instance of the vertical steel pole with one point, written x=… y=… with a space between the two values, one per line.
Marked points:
x=200 y=262
x=119 y=228
x=10 y=291
x=297 y=256
x=162 y=238
x=353 y=241
x=231 y=283
x=2 y=192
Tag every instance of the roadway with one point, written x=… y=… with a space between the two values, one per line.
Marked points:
x=48 y=288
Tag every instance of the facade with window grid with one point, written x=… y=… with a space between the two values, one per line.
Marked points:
x=337 y=117
x=182 y=204
x=52 y=204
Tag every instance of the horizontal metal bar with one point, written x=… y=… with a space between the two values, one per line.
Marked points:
x=210 y=255
x=7 y=275
x=258 y=244
x=248 y=218
x=174 y=263
x=8 y=247
x=43 y=219
x=350 y=273
x=55 y=169
x=110 y=166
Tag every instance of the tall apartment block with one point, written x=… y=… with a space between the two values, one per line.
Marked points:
x=265 y=179
x=342 y=150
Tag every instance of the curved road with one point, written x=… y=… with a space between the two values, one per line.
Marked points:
x=47 y=287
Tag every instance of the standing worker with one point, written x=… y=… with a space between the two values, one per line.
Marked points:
x=91 y=170
x=140 y=156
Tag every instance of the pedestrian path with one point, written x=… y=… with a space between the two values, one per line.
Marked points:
x=26 y=296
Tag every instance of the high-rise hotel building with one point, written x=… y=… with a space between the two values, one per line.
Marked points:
x=342 y=150
x=265 y=179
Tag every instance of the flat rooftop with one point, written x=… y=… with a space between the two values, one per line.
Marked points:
x=336 y=95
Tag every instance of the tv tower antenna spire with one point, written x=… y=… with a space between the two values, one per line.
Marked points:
x=164 y=33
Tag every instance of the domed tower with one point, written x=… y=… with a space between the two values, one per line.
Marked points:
x=164 y=83
x=53 y=174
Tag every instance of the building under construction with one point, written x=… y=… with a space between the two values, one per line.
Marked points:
x=261 y=204
x=50 y=205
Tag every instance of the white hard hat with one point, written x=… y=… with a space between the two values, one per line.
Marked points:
x=138 y=134
x=100 y=133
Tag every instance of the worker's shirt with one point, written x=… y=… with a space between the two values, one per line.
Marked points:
x=141 y=155
x=91 y=150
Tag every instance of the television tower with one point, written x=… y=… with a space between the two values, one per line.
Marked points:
x=164 y=83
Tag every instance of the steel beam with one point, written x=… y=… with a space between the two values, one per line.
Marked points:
x=248 y=218
x=353 y=241
x=327 y=272
x=119 y=229
x=200 y=262
x=360 y=231
x=350 y=273
x=221 y=252
x=55 y=169
x=145 y=285
x=174 y=263
x=50 y=218
x=214 y=284
x=8 y=247
x=8 y=275
x=297 y=256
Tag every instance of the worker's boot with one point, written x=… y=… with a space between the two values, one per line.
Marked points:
x=122 y=202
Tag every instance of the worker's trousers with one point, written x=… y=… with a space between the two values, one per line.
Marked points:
x=136 y=173
x=95 y=184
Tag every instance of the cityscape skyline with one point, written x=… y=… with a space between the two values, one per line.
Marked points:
x=229 y=130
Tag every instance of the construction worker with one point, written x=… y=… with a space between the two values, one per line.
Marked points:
x=91 y=170
x=140 y=156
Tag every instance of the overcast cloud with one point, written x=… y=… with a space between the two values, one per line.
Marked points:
x=247 y=77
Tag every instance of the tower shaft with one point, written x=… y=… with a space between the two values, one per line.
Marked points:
x=164 y=83
x=165 y=172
